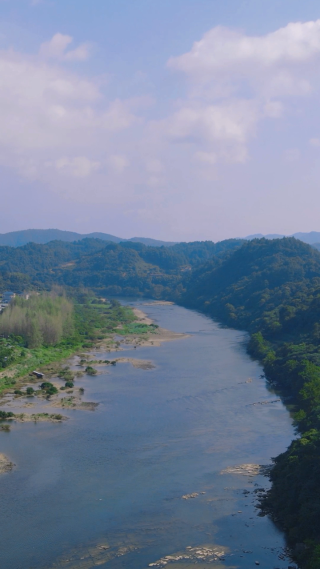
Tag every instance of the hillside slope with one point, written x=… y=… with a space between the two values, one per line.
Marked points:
x=126 y=268
x=311 y=238
x=272 y=289
x=43 y=236
x=259 y=286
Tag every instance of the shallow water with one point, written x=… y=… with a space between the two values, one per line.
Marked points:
x=116 y=476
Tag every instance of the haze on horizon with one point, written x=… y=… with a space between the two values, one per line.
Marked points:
x=183 y=120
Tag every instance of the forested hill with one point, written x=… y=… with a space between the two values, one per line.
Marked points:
x=261 y=286
x=126 y=268
x=272 y=289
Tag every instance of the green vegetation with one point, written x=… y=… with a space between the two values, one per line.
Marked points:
x=269 y=287
x=66 y=374
x=127 y=268
x=272 y=289
x=40 y=320
x=137 y=328
x=48 y=388
x=6 y=415
x=86 y=321
x=91 y=370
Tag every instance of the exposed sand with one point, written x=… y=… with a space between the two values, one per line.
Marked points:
x=243 y=470
x=37 y=418
x=159 y=335
x=159 y=302
x=142 y=317
x=138 y=364
x=155 y=338
x=74 y=402
x=187 y=558
x=5 y=464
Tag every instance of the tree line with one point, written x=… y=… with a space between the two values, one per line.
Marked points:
x=39 y=320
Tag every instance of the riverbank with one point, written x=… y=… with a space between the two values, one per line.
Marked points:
x=5 y=464
x=115 y=477
x=150 y=335
x=156 y=335
x=94 y=321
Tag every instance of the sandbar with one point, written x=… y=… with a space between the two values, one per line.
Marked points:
x=5 y=464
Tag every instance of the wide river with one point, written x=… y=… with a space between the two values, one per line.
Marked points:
x=106 y=487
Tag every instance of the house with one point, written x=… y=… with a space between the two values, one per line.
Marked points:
x=8 y=296
x=38 y=374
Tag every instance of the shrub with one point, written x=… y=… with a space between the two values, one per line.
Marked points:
x=48 y=388
x=46 y=385
x=66 y=374
x=69 y=384
x=30 y=391
x=6 y=415
x=91 y=371
x=51 y=391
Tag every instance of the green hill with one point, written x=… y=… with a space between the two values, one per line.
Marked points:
x=126 y=268
x=43 y=236
x=272 y=289
x=261 y=286
x=269 y=287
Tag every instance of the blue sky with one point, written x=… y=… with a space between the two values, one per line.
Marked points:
x=179 y=120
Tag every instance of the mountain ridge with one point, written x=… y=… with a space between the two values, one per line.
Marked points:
x=44 y=236
x=311 y=238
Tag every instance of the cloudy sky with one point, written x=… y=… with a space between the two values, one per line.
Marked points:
x=173 y=119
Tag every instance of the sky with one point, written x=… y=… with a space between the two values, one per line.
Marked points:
x=179 y=120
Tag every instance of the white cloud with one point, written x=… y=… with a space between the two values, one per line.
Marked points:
x=230 y=122
x=314 y=142
x=223 y=50
x=58 y=127
x=47 y=112
x=273 y=109
x=235 y=81
x=154 y=166
x=57 y=46
x=118 y=162
x=78 y=167
x=222 y=129
x=271 y=68
x=209 y=158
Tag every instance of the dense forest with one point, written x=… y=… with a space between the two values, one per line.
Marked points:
x=272 y=289
x=269 y=287
x=126 y=269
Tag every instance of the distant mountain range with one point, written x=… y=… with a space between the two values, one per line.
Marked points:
x=43 y=236
x=310 y=238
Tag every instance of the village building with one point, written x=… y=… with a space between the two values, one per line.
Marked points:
x=8 y=296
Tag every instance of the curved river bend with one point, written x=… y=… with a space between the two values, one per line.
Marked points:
x=106 y=487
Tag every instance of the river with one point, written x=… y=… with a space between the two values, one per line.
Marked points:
x=106 y=486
